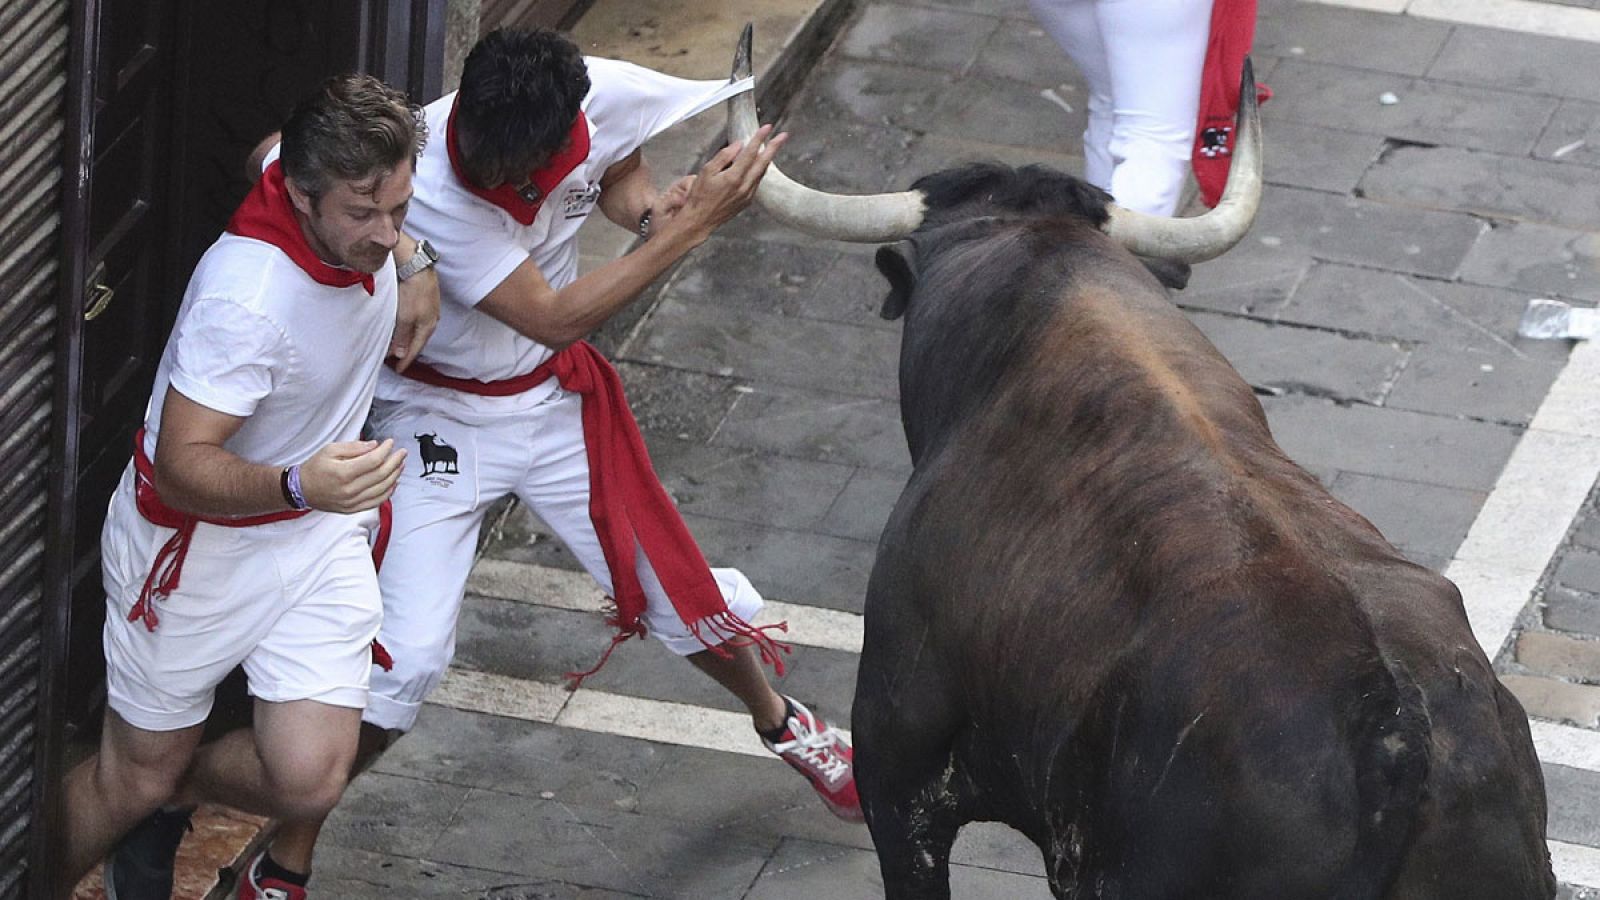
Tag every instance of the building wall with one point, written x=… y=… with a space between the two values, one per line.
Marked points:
x=33 y=84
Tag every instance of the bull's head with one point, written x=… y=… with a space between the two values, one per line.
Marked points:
x=882 y=218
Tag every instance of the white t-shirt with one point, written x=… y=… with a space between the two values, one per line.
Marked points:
x=480 y=244
x=257 y=338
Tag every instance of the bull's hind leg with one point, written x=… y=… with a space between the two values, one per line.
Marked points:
x=905 y=727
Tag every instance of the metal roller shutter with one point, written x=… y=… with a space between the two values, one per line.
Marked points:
x=33 y=63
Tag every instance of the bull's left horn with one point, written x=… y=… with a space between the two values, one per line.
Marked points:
x=865 y=218
x=1210 y=235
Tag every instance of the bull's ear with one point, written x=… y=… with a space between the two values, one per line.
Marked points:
x=896 y=265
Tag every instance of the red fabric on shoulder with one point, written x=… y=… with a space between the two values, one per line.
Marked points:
x=267 y=215
x=1233 y=30
x=524 y=204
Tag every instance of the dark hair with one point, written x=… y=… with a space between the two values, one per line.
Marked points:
x=353 y=128
x=521 y=90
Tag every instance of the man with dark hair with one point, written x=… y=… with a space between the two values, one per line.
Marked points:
x=239 y=534
x=535 y=140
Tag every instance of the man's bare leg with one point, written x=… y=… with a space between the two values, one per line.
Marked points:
x=131 y=776
x=292 y=764
x=293 y=845
x=740 y=672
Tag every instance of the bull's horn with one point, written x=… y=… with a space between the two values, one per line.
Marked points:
x=866 y=218
x=1210 y=235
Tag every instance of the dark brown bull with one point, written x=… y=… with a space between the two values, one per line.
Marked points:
x=1110 y=612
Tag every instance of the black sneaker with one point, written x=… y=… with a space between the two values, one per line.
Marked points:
x=140 y=866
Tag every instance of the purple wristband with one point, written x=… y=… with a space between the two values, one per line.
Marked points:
x=297 y=498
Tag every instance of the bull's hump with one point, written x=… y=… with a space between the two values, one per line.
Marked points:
x=1156 y=346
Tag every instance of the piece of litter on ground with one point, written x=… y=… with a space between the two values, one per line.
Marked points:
x=1051 y=95
x=1564 y=149
x=743 y=389
x=1271 y=241
x=1552 y=319
x=1486 y=367
x=547 y=795
x=1388 y=98
x=1297 y=51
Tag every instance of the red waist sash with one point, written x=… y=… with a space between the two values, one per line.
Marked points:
x=629 y=507
x=167 y=568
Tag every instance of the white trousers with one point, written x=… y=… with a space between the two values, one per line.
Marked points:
x=1142 y=60
x=439 y=507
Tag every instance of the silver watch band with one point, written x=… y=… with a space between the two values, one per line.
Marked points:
x=424 y=257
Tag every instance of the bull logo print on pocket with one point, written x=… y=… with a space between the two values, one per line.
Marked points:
x=437 y=456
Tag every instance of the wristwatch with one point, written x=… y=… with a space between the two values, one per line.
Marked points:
x=422 y=259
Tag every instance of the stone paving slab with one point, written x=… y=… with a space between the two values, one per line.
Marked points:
x=1492 y=387
x=773 y=349
x=1357 y=40
x=856 y=431
x=1273 y=357
x=1361 y=232
x=1426 y=112
x=611 y=849
x=1325 y=158
x=1573 y=134
x=1537 y=261
x=1356 y=300
x=1526 y=63
x=1426 y=521
x=1484 y=184
x=921 y=37
x=1396 y=444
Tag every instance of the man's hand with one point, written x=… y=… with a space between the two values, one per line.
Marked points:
x=416 y=316
x=670 y=201
x=351 y=476
x=726 y=184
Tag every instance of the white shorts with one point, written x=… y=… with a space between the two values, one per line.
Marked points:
x=454 y=473
x=295 y=602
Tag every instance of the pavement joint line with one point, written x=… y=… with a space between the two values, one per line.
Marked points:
x=602 y=712
x=537 y=585
x=1526 y=16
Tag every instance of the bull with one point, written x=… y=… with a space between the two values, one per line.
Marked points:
x=1110 y=612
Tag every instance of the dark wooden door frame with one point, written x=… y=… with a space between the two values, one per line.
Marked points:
x=49 y=746
x=404 y=46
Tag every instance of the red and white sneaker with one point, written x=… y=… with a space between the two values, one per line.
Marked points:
x=820 y=752
x=252 y=886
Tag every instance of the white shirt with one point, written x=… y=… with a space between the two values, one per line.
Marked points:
x=480 y=244
x=257 y=338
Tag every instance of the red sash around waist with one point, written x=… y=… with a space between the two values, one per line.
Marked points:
x=629 y=507
x=167 y=568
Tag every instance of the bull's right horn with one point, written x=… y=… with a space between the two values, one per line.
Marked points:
x=1207 y=236
x=864 y=218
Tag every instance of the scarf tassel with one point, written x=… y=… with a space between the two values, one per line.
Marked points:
x=164 y=575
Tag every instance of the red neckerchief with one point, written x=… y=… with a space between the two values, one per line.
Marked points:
x=267 y=215
x=630 y=509
x=524 y=206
